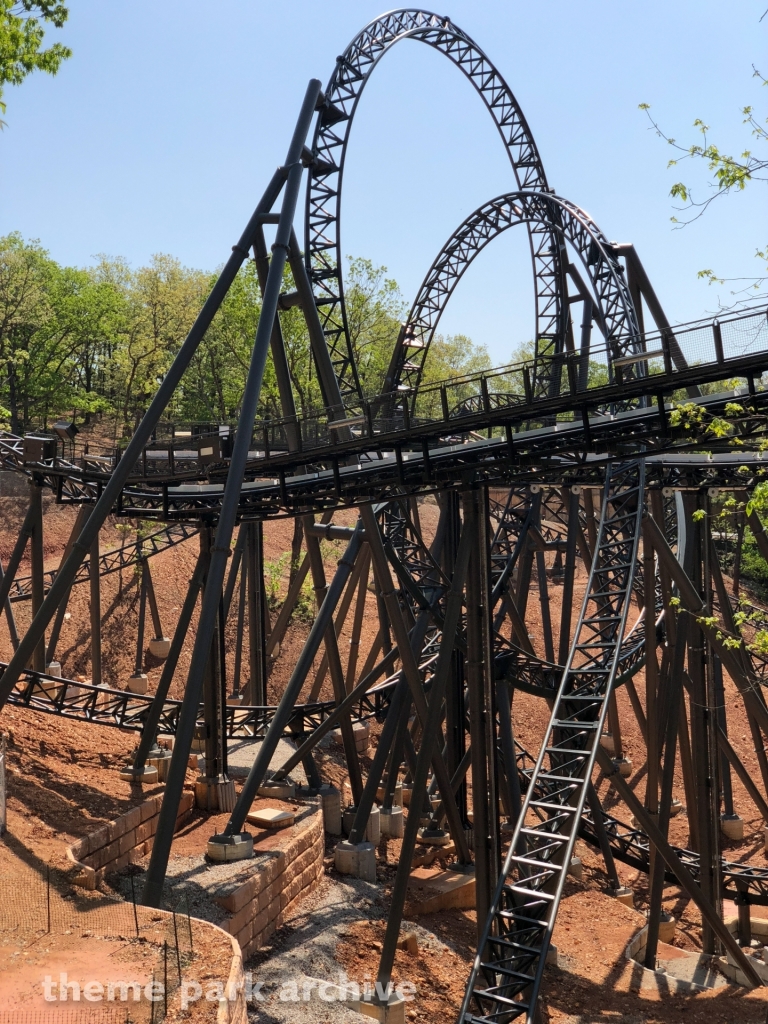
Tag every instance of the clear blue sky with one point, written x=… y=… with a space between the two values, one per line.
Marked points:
x=161 y=131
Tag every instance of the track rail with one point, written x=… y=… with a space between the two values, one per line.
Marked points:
x=615 y=311
x=323 y=236
x=83 y=702
x=113 y=561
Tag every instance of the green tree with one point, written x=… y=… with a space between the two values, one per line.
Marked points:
x=21 y=40
x=375 y=309
x=24 y=312
x=163 y=300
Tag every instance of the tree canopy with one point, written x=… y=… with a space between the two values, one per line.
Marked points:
x=21 y=40
x=80 y=342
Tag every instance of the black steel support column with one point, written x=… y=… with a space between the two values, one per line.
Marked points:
x=152 y=721
x=282 y=715
x=429 y=739
x=153 y=886
x=455 y=711
x=94 y=579
x=38 y=568
x=483 y=807
x=257 y=687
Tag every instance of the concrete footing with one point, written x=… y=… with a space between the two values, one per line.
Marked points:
x=284 y=790
x=606 y=742
x=624 y=765
x=356 y=859
x=667 y=927
x=397 y=797
x=434 y=836
x=146 y=776
x=576 y=868
x=53 y=668
x=330 y=800
x=372 y=829
x=138 y=683
x=214 y=794
x=623 y=895
x=162 y=763
x=391 y=1012
x=392 y=822
x=226 y=848
x=732 y=826
x=160 y=647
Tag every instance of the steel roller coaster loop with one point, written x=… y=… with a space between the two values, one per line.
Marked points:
x=609 y=299
x=324 y=189
x=543 y=466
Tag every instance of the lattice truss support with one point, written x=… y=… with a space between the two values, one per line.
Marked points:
x=574 y=485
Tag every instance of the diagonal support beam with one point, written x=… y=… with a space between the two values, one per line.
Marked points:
x=411 y=670
x=675 y=865
x=693 y=603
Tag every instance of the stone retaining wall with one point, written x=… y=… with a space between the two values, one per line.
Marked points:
x=262 y=904
x=122 y=842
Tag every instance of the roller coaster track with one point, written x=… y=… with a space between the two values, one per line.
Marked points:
x=342 y=94
x=116 y=560
x=549 y=426
x=630 y=845
x=615 y=312
x=83 y=702
x=507 y=972
x=431 y=453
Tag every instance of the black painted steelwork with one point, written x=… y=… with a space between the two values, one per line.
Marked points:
x=511 y=956
x=514 y=457
x=322 y=217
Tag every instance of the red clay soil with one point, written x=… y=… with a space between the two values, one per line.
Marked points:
x=64 y=780
x=591 y=985
x=93 y=940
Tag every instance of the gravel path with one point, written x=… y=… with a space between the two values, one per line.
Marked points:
x=302 y=953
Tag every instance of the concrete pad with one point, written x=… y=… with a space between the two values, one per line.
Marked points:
x=434 y=836
x=138 y=683
x=270 y=817
x=241 y=753
x=431 y=889
x=146 y=776
x=284 y=790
